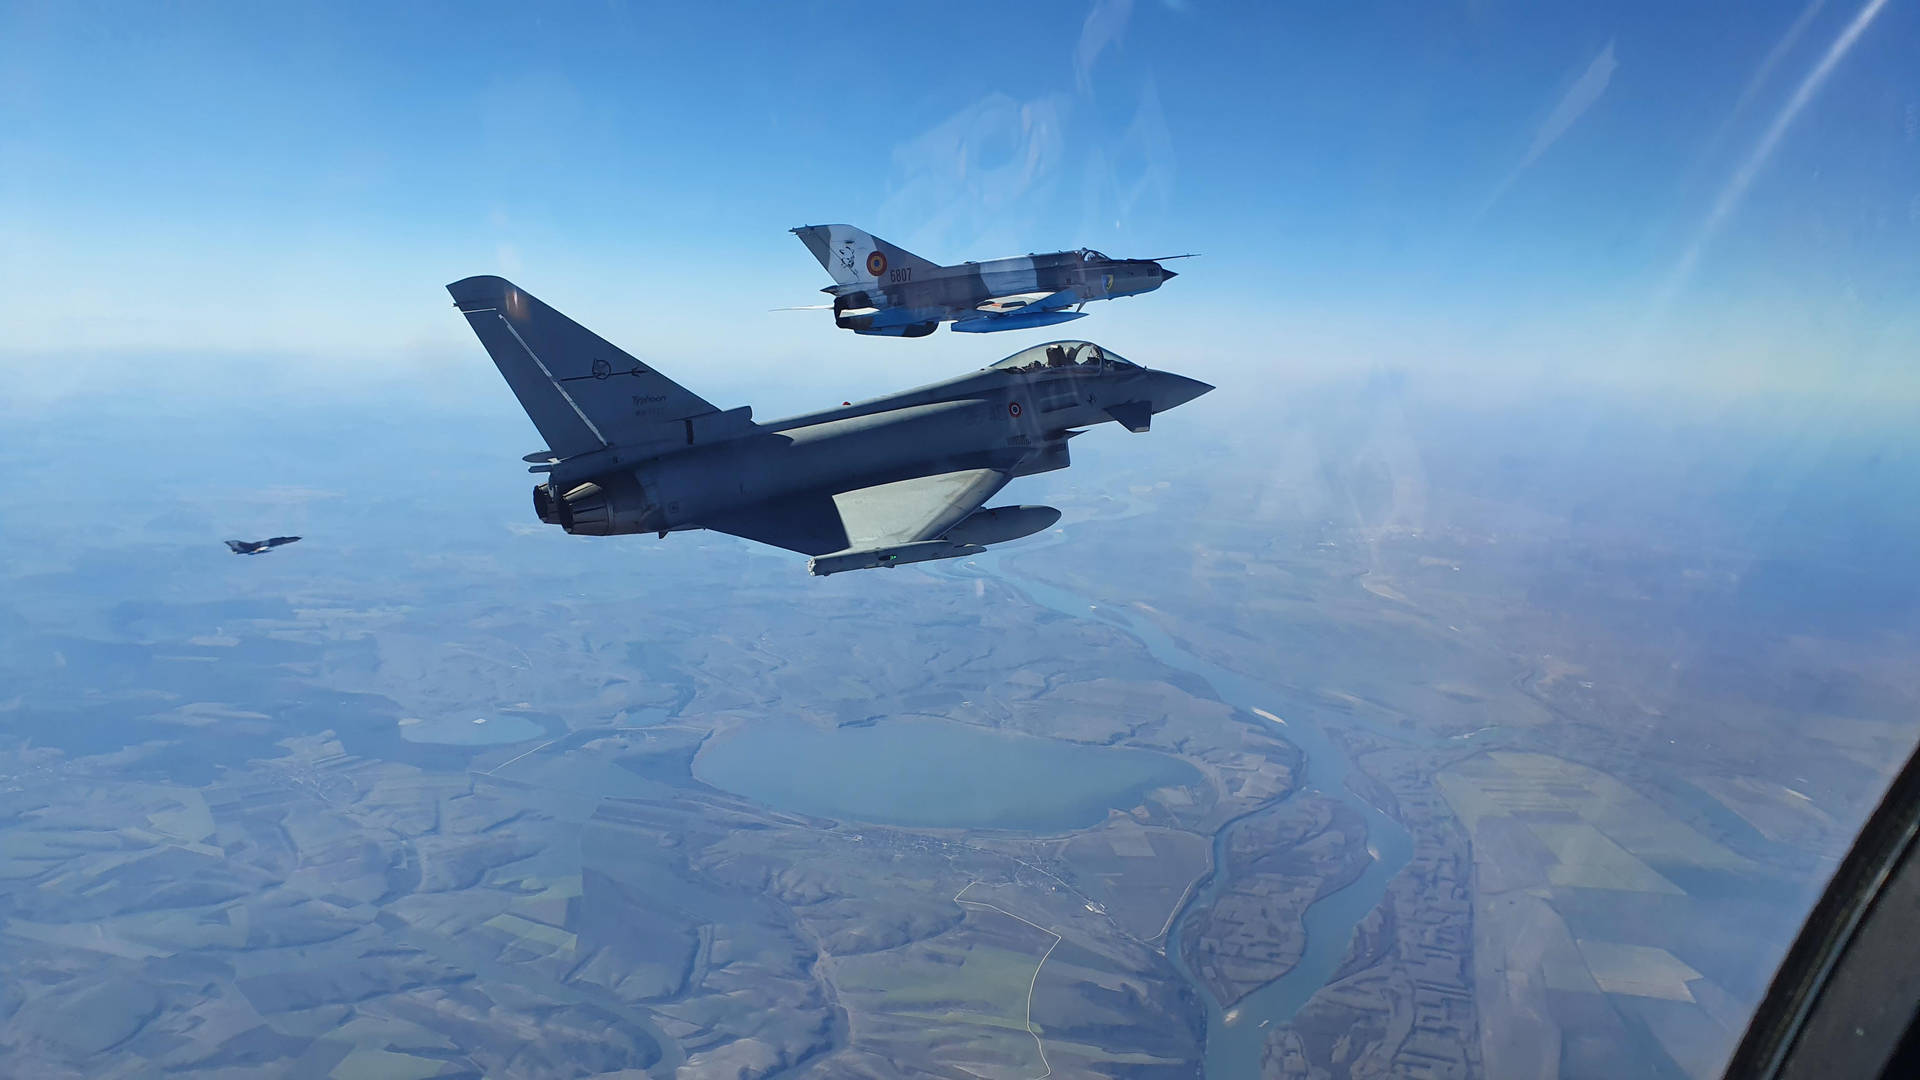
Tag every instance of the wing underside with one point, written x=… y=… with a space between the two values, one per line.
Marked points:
x=869 y=518
x=911 y=510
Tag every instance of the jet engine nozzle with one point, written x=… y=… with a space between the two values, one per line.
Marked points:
x=545 y=507
x=607 y=506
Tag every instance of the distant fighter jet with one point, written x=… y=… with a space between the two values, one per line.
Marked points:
x=883 y=289
x=257 y=547
x=895 y=480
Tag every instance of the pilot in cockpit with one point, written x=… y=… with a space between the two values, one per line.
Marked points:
x=1058 y=356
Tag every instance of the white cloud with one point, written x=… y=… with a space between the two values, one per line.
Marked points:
x=1106 y=24
x=1760 y=76
x=1578 y=99
x=1743 y=176
x=1581 y=96
x=983 y=171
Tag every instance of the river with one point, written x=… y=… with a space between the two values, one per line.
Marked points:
x=1234 y=1048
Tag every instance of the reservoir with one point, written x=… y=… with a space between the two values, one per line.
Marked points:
x=933 y=774
x=470 y=731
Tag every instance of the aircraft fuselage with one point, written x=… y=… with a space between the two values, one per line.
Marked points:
x=915 y=296
x=1012 y=420
x=881 y=288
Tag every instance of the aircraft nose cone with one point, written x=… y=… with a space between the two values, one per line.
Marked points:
x=1174 y=391
x=1167 y=275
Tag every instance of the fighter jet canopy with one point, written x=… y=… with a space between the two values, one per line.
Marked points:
x=1055 y=354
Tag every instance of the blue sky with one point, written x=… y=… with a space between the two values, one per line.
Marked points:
x=1478 y=194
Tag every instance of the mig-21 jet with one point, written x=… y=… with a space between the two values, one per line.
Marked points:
x=899 y=479
x=881 y=288
x=258 y=547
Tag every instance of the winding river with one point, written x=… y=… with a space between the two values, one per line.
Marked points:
x=1234 y=1045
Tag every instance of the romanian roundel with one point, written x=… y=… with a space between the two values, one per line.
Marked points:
x=1013 y=408
x=876 y=264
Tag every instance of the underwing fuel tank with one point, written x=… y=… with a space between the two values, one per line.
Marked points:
x=998 y=524
x=897 y=555
x=911 y=330
x=1016 y=321
x=970 y=537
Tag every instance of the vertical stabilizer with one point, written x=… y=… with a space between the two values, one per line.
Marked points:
x=855 y=257
x=582 y=392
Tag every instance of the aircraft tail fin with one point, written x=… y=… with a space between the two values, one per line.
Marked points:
x=856 y=257
x=583 y=393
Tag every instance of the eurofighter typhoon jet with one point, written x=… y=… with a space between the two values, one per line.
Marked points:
x=896 y=480
x=881 y=288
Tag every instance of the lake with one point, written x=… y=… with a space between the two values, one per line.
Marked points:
x=470 y=731
x=933 y=774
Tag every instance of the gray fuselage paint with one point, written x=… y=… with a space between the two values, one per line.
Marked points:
x=987 y=419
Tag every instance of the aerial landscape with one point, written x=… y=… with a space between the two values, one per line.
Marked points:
x=474 y=811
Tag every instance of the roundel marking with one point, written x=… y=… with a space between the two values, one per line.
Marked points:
x=1013 y=408
x=877 y=263
x=602 y=369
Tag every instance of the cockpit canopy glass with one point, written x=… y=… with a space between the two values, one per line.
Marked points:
x=1090 y=255
x=1062 y=354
